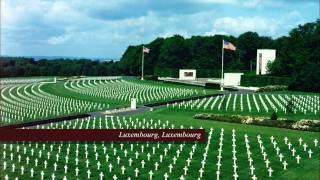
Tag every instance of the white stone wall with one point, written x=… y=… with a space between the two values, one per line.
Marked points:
x=232 y=79
x=263 y=57
x=187 y=74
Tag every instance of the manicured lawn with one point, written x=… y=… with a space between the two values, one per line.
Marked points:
x=308 y=168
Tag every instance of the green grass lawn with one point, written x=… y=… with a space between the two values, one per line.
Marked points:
x=20 y=91
x=307 y=169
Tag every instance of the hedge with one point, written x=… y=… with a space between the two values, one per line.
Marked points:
x=263 y=80
x=304 y=124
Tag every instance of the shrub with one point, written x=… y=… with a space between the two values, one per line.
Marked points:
x=272 y=88
x=304 y=125
x=212 y=86
x=274 y=116
x=290 y=106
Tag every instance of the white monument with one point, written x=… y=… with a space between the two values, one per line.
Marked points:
x=232 y=79
x=264 y=56
x=187 y=74
x=133 y=103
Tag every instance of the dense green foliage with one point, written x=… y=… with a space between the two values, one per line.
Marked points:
x=20 y=66
x=298 y=57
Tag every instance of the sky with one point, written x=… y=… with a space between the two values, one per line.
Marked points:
x=104 y=29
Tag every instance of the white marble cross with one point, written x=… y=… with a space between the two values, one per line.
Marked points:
x=142 y=163
x=305 y=147
x=174 y=160
x=110 y=167
x=150 y=174
x=130 y=162
x=36 y=162
x=272 y=138
x=267 y=163
x=32 y=172
x=170 y=168
x=235 y=176
x=88 y=173
x=281 y=156
x=53 y=177
x=87 y=163
x=201 y=171
x=42 y=175
x=77 y=171
x=65 y=169
x=285 y=165
x=315 y=142
x=270 y=171
x=118 y=160
x=293 y=151
x=156 y=165
x=254 y=177
x=166 y=176
x=101 y=175
x=185 y=169
x=310 y=153
x=264 y=155
x=252 y=170
x=122 y=169
x=136 y=172
x=298 y=159
x=114 y=177
x=22 y=170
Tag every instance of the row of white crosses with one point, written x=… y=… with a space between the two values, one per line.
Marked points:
x=265 y=156
x=39 y=159
x=10 y=81
x=257 y=102
x=304 y=147
x=39 y=155
x=28 y=101
x=278 y=153
x=219 y=153
x=304 y=103
x=175 y=159
x=250 y=160
x=123 y=90
x=205 y=155
x=234 y=157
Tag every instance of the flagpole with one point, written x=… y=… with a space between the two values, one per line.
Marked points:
x=222 y=54
x=142 y=63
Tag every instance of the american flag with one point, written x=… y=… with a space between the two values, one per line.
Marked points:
x=228 y=45
x=146 y=50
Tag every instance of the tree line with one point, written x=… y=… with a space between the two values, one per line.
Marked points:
x=297 y=57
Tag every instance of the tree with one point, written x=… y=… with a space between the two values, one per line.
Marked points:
x=174 y=53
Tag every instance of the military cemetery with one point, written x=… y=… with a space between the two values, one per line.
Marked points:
x=139 y=68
